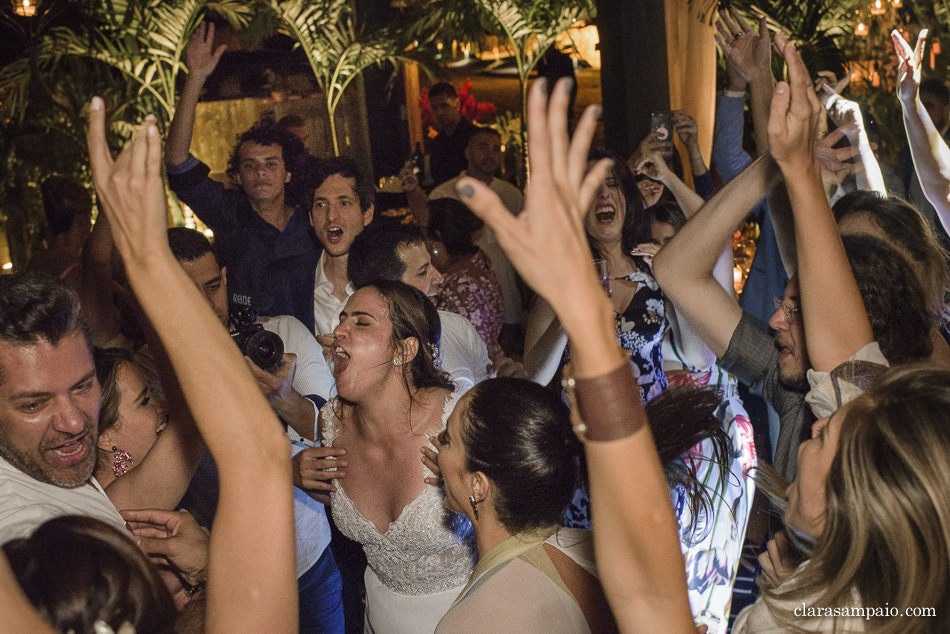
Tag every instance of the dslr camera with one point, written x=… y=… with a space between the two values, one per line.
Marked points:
x=261 y=346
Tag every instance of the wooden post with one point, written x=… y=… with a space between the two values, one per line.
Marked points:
x=413 y=114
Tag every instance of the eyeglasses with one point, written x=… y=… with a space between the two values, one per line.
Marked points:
x=788 y=307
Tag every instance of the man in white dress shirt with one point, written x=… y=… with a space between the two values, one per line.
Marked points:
x=342 y=206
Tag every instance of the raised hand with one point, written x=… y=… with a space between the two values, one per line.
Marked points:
x=908 y=65
x=845 y=113
x=795 y=109
x=749 y=52
x=547 y=242
x=652 y=165
x=201 y=56
x=836 y=162
x=686 y=128
x=130 y=187
x=557 y=198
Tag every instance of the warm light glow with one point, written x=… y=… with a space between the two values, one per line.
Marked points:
x=878 y=8
x=897 y=4
x=8 y=266
x=861 y=30
x=24 y=8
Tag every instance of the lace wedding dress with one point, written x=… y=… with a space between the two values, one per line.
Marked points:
x=419 y=565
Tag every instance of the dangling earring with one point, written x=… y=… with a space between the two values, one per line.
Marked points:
x=121 y=462
x=471 y=500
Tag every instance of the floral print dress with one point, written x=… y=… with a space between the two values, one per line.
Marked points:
x=640 y=331
x=712 y=544
x=470 y=289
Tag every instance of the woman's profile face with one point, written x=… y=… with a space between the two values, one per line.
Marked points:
x=363 y=355
x=604 y=219
x=141 y=417
x=807 y=494
x=452 y=459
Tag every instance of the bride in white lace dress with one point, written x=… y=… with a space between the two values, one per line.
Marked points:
x=392 y=398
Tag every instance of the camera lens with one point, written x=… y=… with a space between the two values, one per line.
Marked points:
x=265 y=349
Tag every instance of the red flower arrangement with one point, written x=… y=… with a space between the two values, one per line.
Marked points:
x=470 y=109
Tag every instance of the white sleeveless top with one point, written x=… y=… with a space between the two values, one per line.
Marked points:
x=426 y=549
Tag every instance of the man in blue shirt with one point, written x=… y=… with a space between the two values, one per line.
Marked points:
x=262 y=233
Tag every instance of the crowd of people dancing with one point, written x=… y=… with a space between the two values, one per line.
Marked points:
x=654 y=454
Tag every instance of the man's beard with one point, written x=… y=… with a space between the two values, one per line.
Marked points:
x=797 y=382
x=31 y=467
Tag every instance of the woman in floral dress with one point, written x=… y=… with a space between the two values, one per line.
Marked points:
x=469 y=286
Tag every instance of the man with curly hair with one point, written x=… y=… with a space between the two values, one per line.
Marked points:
x=262 y=231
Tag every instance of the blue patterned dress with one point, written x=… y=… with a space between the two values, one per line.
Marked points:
x=640 y=330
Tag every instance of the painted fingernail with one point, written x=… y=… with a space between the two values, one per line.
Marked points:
x=566 y=85
x=598 y=110
x=96 y=103
x=466 y=190
x=542 y=83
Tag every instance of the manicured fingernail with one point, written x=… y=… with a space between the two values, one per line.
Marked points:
x=598 y=110
x=542 y=83
x=151 y=130
x=96 y=103
x=150 y=118
x=466 y=190
x=566 y=85
x=781 y=88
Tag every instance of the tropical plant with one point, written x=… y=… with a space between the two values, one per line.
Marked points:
x=336 y=50
x=531 y=27
x=144 y=40
x=127 y=51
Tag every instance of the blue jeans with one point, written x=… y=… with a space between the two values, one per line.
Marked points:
x=320 y=591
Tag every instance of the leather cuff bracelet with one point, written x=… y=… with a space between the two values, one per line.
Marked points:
x=605 y=407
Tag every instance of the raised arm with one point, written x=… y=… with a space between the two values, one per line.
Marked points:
x=202 y=58
x=846 y=114
x=636 y=536
x=927 y=148
x=836 y=324
x=684 y=267
x=652 y=165
x=252 y=582
x=751 y=53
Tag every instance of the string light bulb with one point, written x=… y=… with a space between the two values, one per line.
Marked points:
x=24 y=7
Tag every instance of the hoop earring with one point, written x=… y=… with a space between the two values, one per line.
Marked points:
x=471 y=500
x=121 y=462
